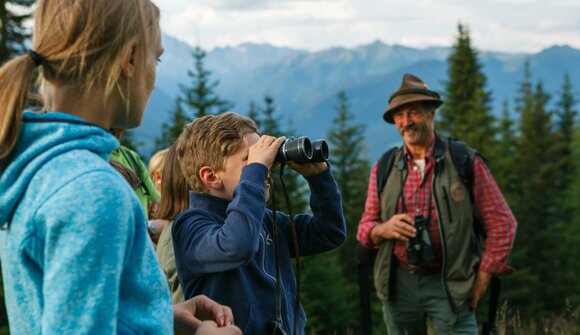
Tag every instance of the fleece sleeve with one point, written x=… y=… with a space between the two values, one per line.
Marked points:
x=86 y=242
x=325 y=228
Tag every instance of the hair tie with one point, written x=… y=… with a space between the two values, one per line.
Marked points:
x=36 y=57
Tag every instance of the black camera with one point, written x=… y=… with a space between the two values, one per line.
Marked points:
x=301 y=150
x=419 y=248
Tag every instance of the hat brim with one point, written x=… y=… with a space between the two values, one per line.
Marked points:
x=402 y=100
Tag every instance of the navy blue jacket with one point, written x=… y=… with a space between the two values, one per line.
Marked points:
x=224 y=249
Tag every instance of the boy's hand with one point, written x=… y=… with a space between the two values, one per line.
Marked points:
x=264 y=151
x=308 y=169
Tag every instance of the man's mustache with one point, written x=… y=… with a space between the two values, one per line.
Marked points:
x=410 y=127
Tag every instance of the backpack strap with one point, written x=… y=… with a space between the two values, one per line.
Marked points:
x=135 y=168
x=385 y=164
x=463 y=157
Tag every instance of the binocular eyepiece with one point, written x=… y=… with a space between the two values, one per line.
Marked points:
x=302 y=150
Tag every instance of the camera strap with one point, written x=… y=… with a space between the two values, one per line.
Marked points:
x=278 y=288
x=296 y=250
x=277 y=254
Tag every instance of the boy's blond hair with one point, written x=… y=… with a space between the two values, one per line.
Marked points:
x=209 y=141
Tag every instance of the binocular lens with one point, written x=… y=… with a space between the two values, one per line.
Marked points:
x=319 y=151
x=295 y=149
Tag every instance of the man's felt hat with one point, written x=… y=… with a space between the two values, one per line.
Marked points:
x=412 y=89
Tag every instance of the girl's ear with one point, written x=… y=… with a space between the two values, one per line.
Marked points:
x=128 y=66
x=210 y=178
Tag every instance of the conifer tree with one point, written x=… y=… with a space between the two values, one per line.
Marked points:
x=466 y=115
x=253 y=114
x=534 y=206
x=295 y=184
x=503 y=155
x=200 y=97
x=565 y=122
x=335 y=272
x=350 y=169
x=13 y=33
x=568 y=188
x=172 y=128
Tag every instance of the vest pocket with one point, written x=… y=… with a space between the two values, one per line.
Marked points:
x=447 y=205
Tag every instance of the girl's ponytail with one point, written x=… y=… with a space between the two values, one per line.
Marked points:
x=15 y=83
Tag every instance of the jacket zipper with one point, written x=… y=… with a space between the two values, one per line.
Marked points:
x=447 y=204
x=441 y=234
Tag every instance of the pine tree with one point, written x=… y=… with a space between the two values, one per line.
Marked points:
x=566 y=117
x=568 y=154
x=295 y=184
x=201 y=97
x=172 y=128
x=253 y=114
x=466 y=115
x=503 y=154
x=13 y=33
x=350 y=169
x=535 y=174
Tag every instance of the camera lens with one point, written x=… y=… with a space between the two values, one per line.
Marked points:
x=295 y=150
x=319 y=151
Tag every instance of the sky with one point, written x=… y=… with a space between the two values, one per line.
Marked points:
x=495 y=25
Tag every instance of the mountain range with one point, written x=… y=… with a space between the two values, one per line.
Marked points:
x=304 y=84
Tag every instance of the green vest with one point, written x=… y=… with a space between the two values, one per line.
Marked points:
x=455 y=213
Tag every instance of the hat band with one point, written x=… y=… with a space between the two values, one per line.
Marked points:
x=414 y=91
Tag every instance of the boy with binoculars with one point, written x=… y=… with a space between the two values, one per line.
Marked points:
x=224 y=242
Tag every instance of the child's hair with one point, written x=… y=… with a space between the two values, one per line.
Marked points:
x=157 y=161
x=174 y=190
x=208 y=141
x=75 y=42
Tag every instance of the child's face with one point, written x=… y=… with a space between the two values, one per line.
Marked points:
x=230 y=176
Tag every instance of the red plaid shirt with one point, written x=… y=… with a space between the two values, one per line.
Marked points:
x=496 y=216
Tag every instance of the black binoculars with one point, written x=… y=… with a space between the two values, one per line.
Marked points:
x=301 y=150
x=419 y=248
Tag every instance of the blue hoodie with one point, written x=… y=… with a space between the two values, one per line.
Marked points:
x=75 y=253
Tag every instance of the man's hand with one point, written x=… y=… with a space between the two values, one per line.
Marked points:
x=191 y=313
x=307 y=169
x=479 y=287
x=264 y=151
x=399 y=227
x=211 y=328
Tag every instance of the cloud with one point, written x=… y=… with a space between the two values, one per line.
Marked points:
x=502 y=25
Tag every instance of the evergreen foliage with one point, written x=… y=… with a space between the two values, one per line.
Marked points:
x=294 y=182
x=13 y=33
x=172 y=128
x=466 y=115
x=535 y=205
x=200 y=98
x=350 y=170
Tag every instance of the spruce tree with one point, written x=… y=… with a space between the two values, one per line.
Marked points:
x=535 y=174
x=13 y=33
x=503 y=155
x=172 y=128
x=200 y=98
x=568 y=188
x=466 y=115
x=295 y=184
x=253 y=114
x=565 y=122
x=350 y=169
